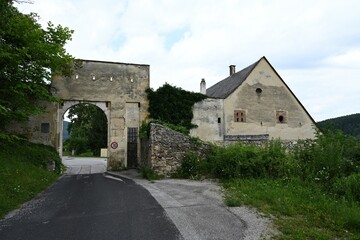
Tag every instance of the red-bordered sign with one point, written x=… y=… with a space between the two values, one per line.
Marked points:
x=114 y=145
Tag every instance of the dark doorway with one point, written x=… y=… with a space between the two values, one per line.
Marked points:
x=132 y=147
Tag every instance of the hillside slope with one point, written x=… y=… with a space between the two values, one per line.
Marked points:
x=349 y=124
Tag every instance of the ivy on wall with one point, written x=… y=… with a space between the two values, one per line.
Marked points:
x=173 y=105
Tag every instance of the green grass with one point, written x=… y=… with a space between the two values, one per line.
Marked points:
x=23 y=173
x=320 y=198
x=301 y=211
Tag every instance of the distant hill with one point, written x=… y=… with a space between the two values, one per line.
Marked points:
x=349 y=124
x=65 y=132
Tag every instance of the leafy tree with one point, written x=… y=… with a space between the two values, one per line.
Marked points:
x=173 y=105
x=88 y=129
x=29 y=56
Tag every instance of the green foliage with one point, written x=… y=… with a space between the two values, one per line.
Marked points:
x=333 y=155
x=29 y=56
x=331 y=162
x=38 y=155
x=350 y=124
x=313 y=189
x=88 y=129
x=173 y=105
x=191 y=167
x=145 y=128
x=23 y=172
x=302 y=211
x=149 y=174
x=348 y=187
x=243 y=161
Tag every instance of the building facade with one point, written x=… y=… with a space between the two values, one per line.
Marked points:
x=252 y=104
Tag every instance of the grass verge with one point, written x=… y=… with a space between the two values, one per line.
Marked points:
x=301 y=211
x=23 y=173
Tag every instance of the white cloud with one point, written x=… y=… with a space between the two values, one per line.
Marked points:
x=314 y=45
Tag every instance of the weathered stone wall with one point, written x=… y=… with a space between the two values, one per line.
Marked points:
x=116 y=88
x=167 y=149
x=208 y=115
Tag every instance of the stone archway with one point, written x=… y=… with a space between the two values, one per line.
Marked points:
x=66 y=106
x=119 y=89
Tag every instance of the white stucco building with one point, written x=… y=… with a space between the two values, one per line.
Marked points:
x=252 y=104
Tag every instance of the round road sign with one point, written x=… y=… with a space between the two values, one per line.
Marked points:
x=114 y=145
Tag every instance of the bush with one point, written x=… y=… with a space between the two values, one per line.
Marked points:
x=149 y=174
x=275 y=161
x=191 y=167
x=173 y=105
x=348 y=187
x=249 y=161
x=332 y=156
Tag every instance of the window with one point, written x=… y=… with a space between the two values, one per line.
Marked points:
x=281 y=117
x=45 y=127
x=239 y=116
x=258 y=90
x=219 y=120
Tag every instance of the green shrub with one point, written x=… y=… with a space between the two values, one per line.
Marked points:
x=149 y=174
x=249 y=161
x=191 y=167
x=332 y=156
x=348 y=187
x=275 y=161
x=173 y=105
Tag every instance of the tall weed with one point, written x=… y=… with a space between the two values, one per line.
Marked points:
x=191 y=167
x=249 y=161
x=348 y=187
x=332 y=156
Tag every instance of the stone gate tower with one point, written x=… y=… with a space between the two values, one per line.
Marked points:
x=117 y=88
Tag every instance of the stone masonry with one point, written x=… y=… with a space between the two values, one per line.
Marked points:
x=167 y=149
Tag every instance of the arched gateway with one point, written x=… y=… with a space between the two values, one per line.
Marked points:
x=118 y=89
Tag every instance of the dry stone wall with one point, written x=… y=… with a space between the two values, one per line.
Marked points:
x=167 y=148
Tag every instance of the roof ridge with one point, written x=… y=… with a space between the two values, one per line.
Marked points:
x=225 y=87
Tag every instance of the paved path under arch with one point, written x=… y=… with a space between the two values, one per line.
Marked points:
x=84 y=165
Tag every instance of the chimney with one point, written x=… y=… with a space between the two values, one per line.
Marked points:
x=203 y=86
x=232 y=69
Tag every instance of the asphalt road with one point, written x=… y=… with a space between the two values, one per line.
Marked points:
x=84 y=165
x=90 y=207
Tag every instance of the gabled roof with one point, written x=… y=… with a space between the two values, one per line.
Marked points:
x=225 y=87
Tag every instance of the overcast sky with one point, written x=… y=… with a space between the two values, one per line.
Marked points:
x=313 y=45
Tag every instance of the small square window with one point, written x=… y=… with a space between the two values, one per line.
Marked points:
x=45 y=127
x=239 y=116
x=281 y=117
